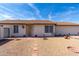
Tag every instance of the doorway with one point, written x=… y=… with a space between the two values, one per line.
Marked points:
x=6 y=32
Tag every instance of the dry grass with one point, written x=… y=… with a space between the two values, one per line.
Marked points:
x=53 y=46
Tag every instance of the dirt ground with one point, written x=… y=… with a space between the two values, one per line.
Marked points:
x=53 y=46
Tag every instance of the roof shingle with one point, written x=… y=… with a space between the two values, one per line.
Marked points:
x=35 y=22
x=27 y=21
x=66 y=23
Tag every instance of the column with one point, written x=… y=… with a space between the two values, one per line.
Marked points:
x=54 y=30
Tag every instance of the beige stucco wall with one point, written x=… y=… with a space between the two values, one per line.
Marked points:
x=40 y=30
x=2 y=29
x=36 y=30
x=22 y=31
x=67 y=29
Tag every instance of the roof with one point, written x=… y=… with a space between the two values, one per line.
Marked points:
x=66 y=23
x=35 y=22
x=26 y=22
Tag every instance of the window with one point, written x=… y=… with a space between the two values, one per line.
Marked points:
x=15 y=29
x=48 y=29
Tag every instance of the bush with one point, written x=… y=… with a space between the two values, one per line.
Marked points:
x=24 y=35
x=66 y=36
x=13 y=36
x=35 y=35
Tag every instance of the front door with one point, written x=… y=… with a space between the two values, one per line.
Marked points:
x=6 y=32
x=29 y=30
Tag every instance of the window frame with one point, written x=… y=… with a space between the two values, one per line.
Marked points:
x=49 y=29
x=16 y=28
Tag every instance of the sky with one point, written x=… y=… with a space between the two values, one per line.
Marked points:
x=61 y=12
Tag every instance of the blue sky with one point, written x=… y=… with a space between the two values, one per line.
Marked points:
x=68 y=12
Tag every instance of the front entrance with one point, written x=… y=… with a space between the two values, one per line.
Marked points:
x=29 y=30
x=6 y=32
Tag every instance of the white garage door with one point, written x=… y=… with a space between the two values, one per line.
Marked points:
x=67 y=29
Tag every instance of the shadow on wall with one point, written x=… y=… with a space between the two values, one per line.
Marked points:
x=4 y=41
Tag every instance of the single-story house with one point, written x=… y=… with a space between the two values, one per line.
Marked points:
x=21 y=28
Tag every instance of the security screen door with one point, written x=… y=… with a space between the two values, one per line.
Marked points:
x=6 y=32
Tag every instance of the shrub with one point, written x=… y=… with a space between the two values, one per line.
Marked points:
x=35 y=35
x=13 y=36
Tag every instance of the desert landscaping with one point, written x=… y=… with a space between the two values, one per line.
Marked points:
x=53 y=46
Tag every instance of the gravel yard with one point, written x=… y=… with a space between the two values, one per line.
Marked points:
x=54 y=46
